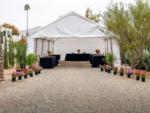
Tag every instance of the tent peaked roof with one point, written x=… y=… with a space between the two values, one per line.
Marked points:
x=70 y=25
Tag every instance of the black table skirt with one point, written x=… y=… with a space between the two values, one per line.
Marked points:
x=97 y=60
x=77 y=57
x=48 y=62
x=57 y=58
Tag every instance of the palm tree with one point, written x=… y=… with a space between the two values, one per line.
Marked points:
x=1 y=58
x=27 y=8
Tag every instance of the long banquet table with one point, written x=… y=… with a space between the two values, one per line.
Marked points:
x=77 y=57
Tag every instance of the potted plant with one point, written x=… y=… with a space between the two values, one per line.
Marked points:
x=97 y=51
x=108 y=68
x=14 y=76
x=121 y=71
x=129 y=73
x=25 y=73
x=115 y=70
x=37 y=69
x=137 y=74
x=20 y=75
x=49 y=53
x=143 y=75
x=109 y=58
x=78 y=51
x=30 y=72
x=101 y=67
x=105 y=67
x=31 y=59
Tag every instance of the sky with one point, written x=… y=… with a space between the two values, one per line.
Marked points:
x=43 y=12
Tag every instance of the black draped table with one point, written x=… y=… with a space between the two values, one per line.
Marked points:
x=49 y=61
x=77 y=57
x=97 y=60
x=57 y=58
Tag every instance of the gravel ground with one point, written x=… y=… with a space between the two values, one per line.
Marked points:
x=75 y=88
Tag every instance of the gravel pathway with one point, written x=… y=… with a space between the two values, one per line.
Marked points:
x=75 y=88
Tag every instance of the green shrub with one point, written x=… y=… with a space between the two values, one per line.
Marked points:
x=21 y=50
x=5 y=54
x=31 y=59
x=145 y=61
x=109 y=58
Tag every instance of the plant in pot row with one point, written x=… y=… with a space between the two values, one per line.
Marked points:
x=129 y=73
x=25 y=72
x=140 y=74
x=115 y=70
x=37 y=69
x=16 y=74
x=107 y=68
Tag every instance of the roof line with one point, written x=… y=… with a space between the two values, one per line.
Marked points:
x=72 y=12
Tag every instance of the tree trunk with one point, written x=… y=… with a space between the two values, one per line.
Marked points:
x=1 y=61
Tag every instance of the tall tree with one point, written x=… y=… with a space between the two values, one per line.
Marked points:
x=130 y=27
x=15 y=30
x=11 y=52
x=27 y=8
x=91 y=16
x=21 y=51
x=1 y=58
x=5 y=54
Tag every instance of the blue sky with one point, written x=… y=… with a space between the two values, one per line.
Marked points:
x=45 y=11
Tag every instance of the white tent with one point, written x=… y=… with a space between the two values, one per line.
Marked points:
x=69 y=33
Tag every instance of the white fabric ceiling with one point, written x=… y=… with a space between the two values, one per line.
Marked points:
x=70 y=25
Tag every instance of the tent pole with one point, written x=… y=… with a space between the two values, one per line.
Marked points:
x=107 y=46
x=111 y=45
x=42 y=48
x=48 y=44
x=53 y=46
x=36 y=46
x=112 y=50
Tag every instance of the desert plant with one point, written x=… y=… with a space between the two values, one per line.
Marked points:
x=5 y=54
x=31 y=59
x=21 y=49
x=30 y=72
x=109 y=58
x=11 y=52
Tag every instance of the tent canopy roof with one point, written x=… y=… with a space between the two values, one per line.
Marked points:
x=70 y=25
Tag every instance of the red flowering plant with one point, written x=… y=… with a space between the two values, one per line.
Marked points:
x=142 y=73
x=18 y=74
x=25 y=70
x=137 y=72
